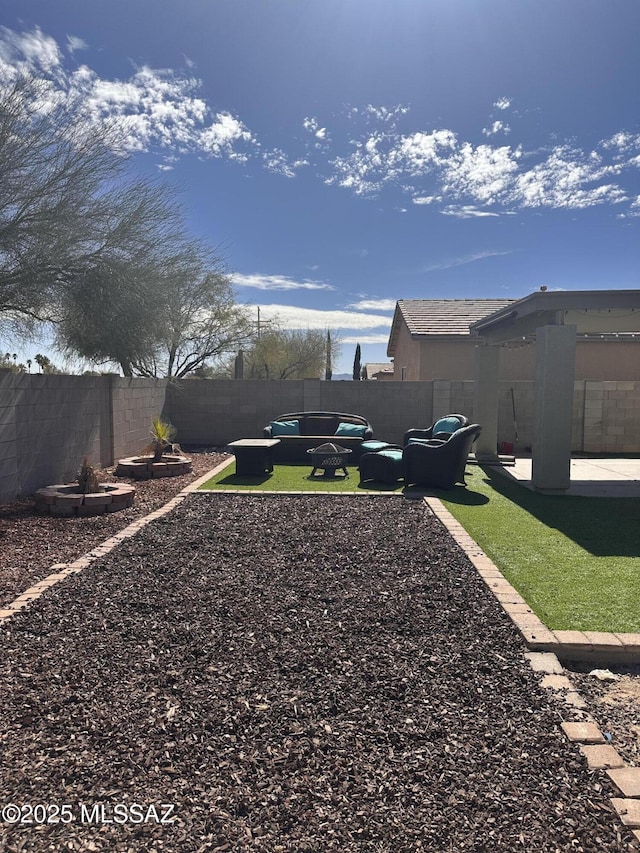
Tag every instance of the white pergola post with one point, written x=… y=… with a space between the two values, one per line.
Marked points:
x=485 y=401
x=555 y=373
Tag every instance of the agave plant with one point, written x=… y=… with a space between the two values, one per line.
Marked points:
x=87 y=478
x=162 y=435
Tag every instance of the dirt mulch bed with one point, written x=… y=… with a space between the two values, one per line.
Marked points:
x=615 y=705
x=31 y=542
x=298 y=674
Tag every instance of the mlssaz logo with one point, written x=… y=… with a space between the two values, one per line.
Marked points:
x=105 y=813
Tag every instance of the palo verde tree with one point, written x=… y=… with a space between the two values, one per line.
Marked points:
x=98 y=253
x=171 y=316
x=69 y=206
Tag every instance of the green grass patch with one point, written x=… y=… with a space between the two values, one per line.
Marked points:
x=573 y=559
x=296 y=478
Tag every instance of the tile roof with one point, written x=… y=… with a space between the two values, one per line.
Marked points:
x=447 y=316
x=441 y=316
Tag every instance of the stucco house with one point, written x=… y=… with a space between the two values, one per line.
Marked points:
x=380 y=371
x=431 y=339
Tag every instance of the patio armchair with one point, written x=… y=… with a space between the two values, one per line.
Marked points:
x=442 y=429
x=439 y=464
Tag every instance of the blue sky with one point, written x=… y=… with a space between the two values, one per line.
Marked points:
x=349 y=153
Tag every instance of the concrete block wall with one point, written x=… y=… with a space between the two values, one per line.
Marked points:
x=577 y=426
x=606 y=415
x=48 y=423
x=612 y=416
x=9 y=474
x=135 y=402
x=456 y=396
x=523 y=398
x=55 y=421
x=390 y=407
x=216 y=412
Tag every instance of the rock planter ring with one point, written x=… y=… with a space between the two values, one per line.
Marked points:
x=67 y=501
x=144 y=468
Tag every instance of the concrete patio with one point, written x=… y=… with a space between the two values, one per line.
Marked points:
x=590 y=477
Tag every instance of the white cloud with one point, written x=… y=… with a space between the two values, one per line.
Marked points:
x=75 y=43
x=565 y=179
x=293 y=317
x=153 y=108
x=164 y=111
x=23 y=51
x=365 y=339
x=374 y=305
x=426 y=199
x=277 y=282
x=496 y=127
x=467 y=211
x=222 y=135
x=482 y=173
x=276 y=161
x=421 y=152
x=386 y=114
x=466 y=259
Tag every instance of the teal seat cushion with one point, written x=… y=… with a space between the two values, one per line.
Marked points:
x=353 y=430
x=373 y=446
x=449 y=425
x=284 y=428
x=392 y=454
x=419 y=441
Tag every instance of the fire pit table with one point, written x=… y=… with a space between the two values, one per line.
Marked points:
x=254 y=456
x=329 y=457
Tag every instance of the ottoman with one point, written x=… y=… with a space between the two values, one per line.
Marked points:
x=385 y=466
x=373 y=446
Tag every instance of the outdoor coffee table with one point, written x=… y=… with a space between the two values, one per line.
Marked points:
x=329 y=457
x=254 y=456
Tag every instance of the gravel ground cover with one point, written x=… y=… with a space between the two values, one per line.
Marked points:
x=291 y=673
x=31 y=542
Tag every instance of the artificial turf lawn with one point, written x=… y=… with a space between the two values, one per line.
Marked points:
x=296 y=478
x=573 y=559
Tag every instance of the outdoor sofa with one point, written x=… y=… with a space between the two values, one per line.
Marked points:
x=302 y=431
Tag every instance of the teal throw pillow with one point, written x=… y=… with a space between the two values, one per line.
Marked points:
x=353 y=430
x=285 y=428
